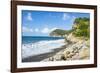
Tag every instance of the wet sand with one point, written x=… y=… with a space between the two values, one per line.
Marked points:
x=38 y=58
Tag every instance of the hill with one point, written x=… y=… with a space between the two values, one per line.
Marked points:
x=80 y=28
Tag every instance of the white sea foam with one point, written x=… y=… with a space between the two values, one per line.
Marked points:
x=41 y=47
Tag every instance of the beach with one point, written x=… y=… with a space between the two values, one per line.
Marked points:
x=42 y=48
x=72 y=49
x=41 y=57
x=77 y=49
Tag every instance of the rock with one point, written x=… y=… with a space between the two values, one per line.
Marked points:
x=72 y=54
x=51 y=59
x=57 y=57
x=63 y=57
x=67 y=52
x=74 y=51
x=72 y=38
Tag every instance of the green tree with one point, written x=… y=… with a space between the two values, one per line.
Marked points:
x=81 y=27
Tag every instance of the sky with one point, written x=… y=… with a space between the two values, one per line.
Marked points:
x=41 y=23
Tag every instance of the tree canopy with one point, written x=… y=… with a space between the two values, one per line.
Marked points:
x=81 y=27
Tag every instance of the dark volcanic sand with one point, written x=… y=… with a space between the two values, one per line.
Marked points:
x=41 y=57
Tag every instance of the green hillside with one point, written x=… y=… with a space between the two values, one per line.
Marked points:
x=80 y=28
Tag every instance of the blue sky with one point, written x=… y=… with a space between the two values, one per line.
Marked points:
x=41 y=23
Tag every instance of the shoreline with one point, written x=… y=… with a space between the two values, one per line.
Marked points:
x=41 y=57
x=72 y=50
x=75 y=51
x=41 y=47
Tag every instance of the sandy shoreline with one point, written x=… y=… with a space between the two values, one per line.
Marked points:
x=79 y=50
x=41 y=57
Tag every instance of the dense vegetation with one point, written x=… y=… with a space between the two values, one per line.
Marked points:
x=60 y=32
x=80 y=28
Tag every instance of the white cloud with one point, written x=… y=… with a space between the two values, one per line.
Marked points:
x=36 y=30
x=29 y=17
x=65 y=16
x=26 y=29
x=47 y=30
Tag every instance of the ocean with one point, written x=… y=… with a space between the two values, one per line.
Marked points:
x=36 y=45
